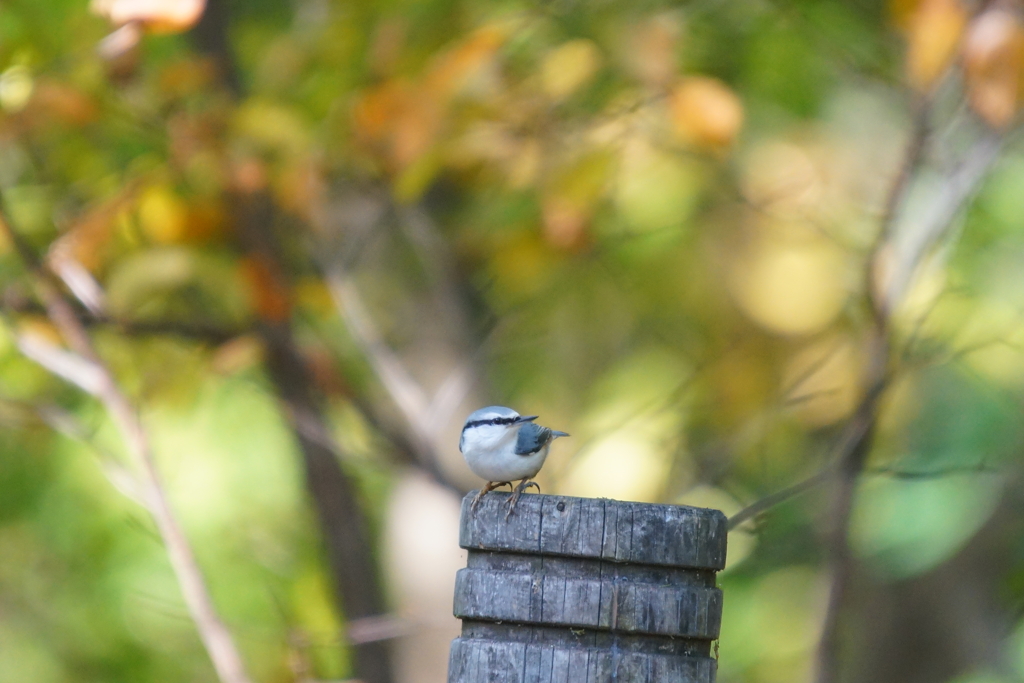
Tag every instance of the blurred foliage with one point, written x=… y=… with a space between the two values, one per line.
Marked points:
x=657 y=218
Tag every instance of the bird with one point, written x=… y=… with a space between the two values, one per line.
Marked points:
x=502 y=446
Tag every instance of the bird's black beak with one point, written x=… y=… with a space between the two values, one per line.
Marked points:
x=526 y=418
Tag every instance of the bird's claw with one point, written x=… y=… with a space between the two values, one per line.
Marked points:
x=491 y=485
x=513 y=500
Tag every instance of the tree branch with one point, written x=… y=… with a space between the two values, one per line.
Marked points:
x=424 y=416
x=334 y=494
x=902 y=245
x=209 y=332
x=100 y=381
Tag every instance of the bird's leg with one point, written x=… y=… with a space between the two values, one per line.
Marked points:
x=491 y=485
x=513 y=500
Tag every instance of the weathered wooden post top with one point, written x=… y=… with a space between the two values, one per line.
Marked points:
x=581 y=590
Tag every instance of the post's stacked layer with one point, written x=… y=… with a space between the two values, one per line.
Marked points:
x=579 y=590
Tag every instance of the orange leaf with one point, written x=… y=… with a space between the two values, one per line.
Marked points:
x=706 y=112
x=453 y=69
x=565 y=222
x=270 y=294
x=158 y=16
x=376 y=109
x=993 y=58
x=89 y=235
x=187 y=76
x=248 y=175
x=398 y=119
x=933 y=35
x=206 y=222
x=300 y=188
x=64 y=103
x=902 y=12
x=323 y=369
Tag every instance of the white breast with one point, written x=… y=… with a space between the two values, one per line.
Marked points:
x=490 y=453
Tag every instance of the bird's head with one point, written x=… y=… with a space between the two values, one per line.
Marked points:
x=490 y=426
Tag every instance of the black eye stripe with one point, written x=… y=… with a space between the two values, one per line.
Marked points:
x=490 y=421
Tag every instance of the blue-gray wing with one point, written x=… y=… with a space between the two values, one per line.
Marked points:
x=532 y=438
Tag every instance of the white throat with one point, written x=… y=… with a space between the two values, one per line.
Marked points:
x=489 y=439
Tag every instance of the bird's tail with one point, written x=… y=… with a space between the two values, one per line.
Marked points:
x=555 y=434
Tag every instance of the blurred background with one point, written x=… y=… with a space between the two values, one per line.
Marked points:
x=725 y=245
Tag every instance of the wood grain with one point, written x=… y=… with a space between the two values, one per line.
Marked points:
x=637 y=533
x=578 y=590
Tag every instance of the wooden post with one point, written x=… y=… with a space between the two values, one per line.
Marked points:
x=581 y=590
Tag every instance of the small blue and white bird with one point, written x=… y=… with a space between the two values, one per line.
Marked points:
x=501 y=446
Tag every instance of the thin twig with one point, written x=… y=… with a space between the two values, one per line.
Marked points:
x=216 y=638
x=770 y=501
x=334 y=494
x=909 y=246
x=852 y=454
x=438 y=262
x=900 y=248
x=916 y=475
x=63 y=422
x=403 y=389
x=762 y=505
x=424 y=415
x=207 y=332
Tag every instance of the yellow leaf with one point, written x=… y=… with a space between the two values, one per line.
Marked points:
x=933 y=35
x=571 y=196
x=788 y=283
x=568 y=67
x=276 y=127
x=706 y=112
x=655 y=190
x=16 y=87
x=314 y=295
x=525 y=164
x=415 y=178
x=821 y=381
x=236 y=355
x=162 y=215
x=993 y=57
x=522 y=267
x=40 y=327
